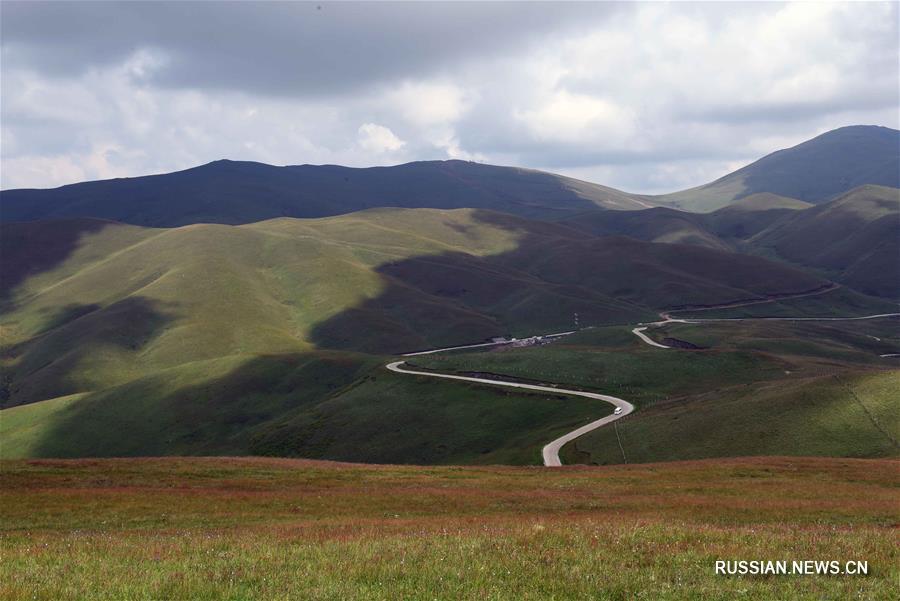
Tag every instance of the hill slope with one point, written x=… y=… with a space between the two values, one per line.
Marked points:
x=855 y=237
x=237 y=192
x=125 y=301
x=815 y=171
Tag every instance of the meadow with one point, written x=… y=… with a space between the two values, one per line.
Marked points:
x=751 y=388
x=253 y=528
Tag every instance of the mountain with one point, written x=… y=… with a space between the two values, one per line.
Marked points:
x=854 y=238
x=815 y=171
x=236 y=192
x=723 y=229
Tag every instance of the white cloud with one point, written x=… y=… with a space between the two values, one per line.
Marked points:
x=577 y=118
x=378 y=139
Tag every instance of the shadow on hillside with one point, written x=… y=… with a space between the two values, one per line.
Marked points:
x=30 y=248
x=454 y=298
x=427 y=301
x=81 y=344
x=217 y=411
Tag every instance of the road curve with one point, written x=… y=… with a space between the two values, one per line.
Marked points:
x=639 y=332
x=551 y=450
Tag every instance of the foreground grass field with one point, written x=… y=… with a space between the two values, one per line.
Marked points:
x=220 y=528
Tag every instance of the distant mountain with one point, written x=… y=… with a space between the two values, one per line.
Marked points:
x=723 y=229
x=750 y=215
x=659 y=224
x=236 y=192
x=854 y=238
x=815 y=171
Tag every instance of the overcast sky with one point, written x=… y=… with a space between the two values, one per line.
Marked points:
x=645 y=97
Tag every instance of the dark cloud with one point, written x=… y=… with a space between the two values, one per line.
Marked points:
x=286 y=48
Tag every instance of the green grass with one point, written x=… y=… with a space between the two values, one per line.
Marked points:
x=839 y=416
x=316 y=405
x=222 y=528
x=861 y=341
x=262 y=338
x=639 y=374
x=760 y=388
x=840 y=302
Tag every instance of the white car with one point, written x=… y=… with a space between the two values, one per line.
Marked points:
x=617 y=411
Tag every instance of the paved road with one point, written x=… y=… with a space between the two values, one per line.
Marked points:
x=482 y=344
x=551 y=450
x=639 y=332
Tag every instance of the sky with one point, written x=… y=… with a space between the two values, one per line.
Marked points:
x=645 y=97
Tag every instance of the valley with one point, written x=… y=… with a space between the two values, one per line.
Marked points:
x=270 y=337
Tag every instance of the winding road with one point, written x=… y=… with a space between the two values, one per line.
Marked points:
x=551 y=450
x=639 y=332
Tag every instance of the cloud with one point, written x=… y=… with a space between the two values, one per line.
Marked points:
x=378 y=139
x=643 y=96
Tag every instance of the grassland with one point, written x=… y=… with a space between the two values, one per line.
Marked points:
x=859 y=341
x=754 y=388
x=317 y=405
x=836 y=416
x=839 y=302
x=221 y=528
x=643 y=376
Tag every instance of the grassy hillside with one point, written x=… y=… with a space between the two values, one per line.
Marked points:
x=268 y=338
x=855 y=237
x=724 y=229
x=225 y=528
x=313 y=405
x=752 y=214
x=124 y=302
x=658 y=224
x=719 y=401
x=862 y=341
x=831 y=415
x=242 y=192
x=815 y=171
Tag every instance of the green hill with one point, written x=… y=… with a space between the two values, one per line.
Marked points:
x=854 y=238
x=815 y=171
x=129 y=301
x=269 y=337
x=750 y=215
x=658 y=224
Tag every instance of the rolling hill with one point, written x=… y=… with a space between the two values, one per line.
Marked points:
x=126 y=301
x=750 y=215
x=855 y=238
x=815 y=171
x=236 y=192
x=852 y=239
x=268 y=338
x=658 y=224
